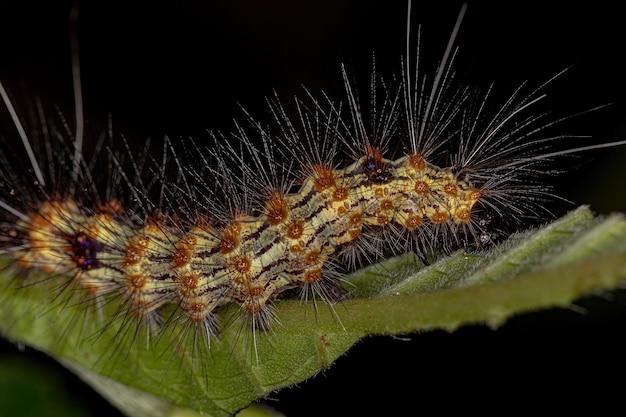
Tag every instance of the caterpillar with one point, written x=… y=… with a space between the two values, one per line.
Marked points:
x=103 y=231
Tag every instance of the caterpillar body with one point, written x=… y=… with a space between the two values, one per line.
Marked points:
x=281 y=239
x=263 y=211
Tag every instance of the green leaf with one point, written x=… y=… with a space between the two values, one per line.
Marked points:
x=572 y=257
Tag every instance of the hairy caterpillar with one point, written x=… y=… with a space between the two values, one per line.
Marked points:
x=368 y=68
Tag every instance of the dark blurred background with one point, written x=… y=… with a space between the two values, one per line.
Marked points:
x=182 y=67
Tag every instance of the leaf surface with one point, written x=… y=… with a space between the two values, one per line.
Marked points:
x=572 y=257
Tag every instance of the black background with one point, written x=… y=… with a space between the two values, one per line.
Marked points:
x=179 y=68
